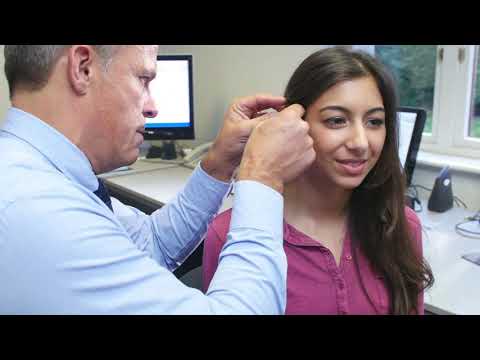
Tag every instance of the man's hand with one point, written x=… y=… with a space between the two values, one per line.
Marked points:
x=240 y=120
x=278 y=150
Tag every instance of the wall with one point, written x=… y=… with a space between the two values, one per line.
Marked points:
x=4 y=100
x=224 y=72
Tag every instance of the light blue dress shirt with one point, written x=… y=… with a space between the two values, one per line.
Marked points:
x=62 y=251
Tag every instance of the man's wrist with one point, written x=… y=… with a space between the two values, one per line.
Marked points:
x=262 y=177
x=216 y=168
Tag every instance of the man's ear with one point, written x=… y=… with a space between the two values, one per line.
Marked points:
x=80 y=67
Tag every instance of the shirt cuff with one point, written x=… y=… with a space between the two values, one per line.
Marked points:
x=206 y=190
x=257 y=206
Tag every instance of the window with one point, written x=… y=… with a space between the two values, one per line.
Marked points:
x=474 y=119
x=445 y=81
x=413 y=67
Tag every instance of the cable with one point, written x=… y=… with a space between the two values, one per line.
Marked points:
x=163 y=161
x=465 y=232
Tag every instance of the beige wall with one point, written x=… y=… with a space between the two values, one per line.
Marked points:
x=224 y=72
x=4 y=100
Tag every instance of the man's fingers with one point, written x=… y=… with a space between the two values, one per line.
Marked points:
x=267 y=101
x=251 y=105
x=294 y=110
x=252 y=123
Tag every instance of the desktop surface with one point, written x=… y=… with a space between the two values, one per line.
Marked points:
x=456 y=289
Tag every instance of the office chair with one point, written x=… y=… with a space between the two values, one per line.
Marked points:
x=193 y=278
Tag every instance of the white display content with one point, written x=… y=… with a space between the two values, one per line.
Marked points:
x=170 y=90
x=407 y=125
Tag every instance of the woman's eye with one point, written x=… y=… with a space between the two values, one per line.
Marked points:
x=335 y=122
x=376 y=122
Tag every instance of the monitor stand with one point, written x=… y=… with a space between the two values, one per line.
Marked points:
x=167 y=151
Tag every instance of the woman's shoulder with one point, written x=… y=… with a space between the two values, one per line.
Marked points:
x=412 y=218
x=415 y=226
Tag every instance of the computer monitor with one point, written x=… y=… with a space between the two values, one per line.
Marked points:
x=172 y=90
x=411 y=122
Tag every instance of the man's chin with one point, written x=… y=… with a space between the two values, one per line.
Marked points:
x=130 y=159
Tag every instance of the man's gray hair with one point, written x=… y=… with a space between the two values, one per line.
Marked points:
x=30 y=66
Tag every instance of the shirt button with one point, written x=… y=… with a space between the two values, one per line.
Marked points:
x=349 y=257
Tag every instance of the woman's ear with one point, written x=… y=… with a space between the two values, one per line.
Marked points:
x=80 y=68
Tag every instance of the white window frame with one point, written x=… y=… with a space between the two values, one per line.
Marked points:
x=451 y=106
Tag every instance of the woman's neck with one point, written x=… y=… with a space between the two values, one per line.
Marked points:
x=316 y=197
x=311 y=201
x=319 y=209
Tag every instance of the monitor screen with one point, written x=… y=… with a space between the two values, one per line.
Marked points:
x=411 y=122
x=172 y=90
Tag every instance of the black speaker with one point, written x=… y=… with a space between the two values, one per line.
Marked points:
x=441 y=198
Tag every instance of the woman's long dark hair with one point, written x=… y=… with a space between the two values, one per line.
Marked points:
x=377 y=220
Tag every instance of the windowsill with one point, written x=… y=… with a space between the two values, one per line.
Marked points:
x=458 y=163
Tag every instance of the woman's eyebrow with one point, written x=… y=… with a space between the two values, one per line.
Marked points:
x=375 y=110
x=335 y=107
x=346 y=110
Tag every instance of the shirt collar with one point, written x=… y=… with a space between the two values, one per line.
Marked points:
x=61 y=152
x=296 y=237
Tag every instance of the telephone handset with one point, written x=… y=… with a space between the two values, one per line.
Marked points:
x=196 y=155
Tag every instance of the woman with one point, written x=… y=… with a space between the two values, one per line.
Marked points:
x=352 y=246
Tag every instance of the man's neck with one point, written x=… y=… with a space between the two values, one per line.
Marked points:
x=50 y=110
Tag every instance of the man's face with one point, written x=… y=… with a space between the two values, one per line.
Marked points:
x=122 y=101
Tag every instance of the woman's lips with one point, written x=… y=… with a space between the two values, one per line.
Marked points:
x=352 y=167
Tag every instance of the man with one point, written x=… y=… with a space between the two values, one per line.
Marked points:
x=78 y=111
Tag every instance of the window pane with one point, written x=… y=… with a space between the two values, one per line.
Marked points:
x=475 y=108
x=414 y=69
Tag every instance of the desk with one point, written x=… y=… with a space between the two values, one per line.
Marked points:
x=146 y=185
x=457 y=281
x=157 y=183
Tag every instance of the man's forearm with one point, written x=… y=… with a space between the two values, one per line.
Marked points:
x=179 y=226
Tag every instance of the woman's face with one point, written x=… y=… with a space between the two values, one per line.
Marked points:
x=347 y=124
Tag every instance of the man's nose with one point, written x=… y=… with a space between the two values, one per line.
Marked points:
x=150 y=109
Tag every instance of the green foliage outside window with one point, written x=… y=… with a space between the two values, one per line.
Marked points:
x=413 y=67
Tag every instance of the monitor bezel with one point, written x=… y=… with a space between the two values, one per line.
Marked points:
x=415 y=141
x=176 y=133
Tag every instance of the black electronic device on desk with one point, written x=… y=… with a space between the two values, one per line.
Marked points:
x=441 y=198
